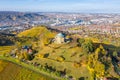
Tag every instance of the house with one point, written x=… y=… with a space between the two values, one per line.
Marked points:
x=27 y=49
x=59 y=38
x=30 y=51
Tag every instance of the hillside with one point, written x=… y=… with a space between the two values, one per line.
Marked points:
x=72 y=57
x=37 y=32
x=11 y=71
x=37 y=35
x=79 y=58
x=19 y=16
x=6 y=40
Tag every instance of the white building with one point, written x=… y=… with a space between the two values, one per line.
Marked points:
x=59 y=38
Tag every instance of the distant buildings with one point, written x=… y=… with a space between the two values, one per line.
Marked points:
x=90 y=23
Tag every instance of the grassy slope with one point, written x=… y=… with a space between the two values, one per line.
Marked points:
x=41 y=33
x=68 y=64
x=36 y=32
x=14 y=72
x=56 y=50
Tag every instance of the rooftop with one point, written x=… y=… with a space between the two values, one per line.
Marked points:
x=60 y=35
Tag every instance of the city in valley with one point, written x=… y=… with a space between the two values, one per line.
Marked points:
x=67 y=22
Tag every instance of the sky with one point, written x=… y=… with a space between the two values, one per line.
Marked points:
x=87 y=6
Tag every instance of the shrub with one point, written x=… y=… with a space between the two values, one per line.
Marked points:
x=58 y=73
x=60 y=58
x=115 y=54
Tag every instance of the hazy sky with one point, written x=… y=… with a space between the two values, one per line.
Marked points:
x=61 y=5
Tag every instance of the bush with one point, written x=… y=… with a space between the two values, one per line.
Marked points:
x=60 y=58
x=115 y=54
x=46 y=55
x=58 y=73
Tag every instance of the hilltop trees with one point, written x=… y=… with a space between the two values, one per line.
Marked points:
x=99 y=62
x=96 y=66
x=87 y=45
x=80 y=41
x=100 y=52
x=99 y=69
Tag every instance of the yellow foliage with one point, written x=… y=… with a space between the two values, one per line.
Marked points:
x=43 y=35
x=60 y=59
x=35 y=32
x=40 y=56
x=2 y=65
x=32 y=32
x=91 y=69
x=76 y=65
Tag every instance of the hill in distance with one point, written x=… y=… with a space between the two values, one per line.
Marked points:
x=19 y=16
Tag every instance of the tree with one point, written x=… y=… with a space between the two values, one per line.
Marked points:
x=20 y=56
x=115 y=54
x=100 y=52
x=88 y=46
x=96 y=67
x=100 y=55
x=99 y=69
x=103 y=51
x=80 y=41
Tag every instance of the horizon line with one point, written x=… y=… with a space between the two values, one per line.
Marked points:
x=61 y=12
